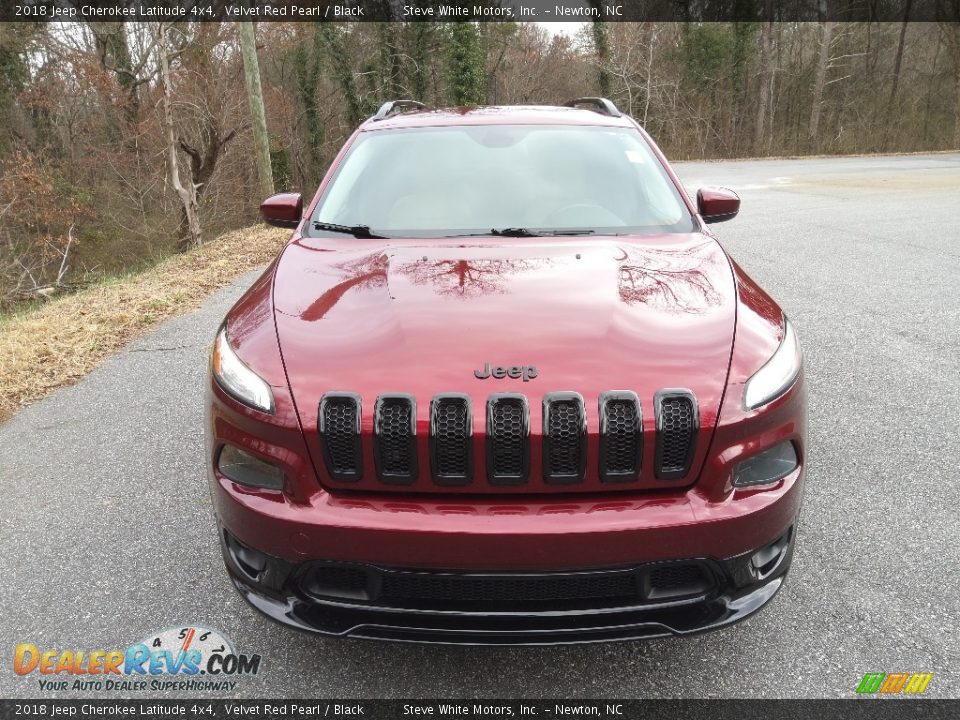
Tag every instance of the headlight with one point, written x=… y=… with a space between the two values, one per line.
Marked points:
x=237 y=379
x=774 y=378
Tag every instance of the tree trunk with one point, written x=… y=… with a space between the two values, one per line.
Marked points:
x=956 y=111
x=766 y=34
x=420 y=59
x=951 y=34
x=258 y=117
x=307 y=71
x=813 y=130
x=898 y=62
x=343 y=71
x=188 y=193
x=601 y=44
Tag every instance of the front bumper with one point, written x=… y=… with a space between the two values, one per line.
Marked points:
x=726 y=592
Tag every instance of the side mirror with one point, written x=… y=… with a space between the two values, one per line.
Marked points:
x=282 y=210
x=717 y=204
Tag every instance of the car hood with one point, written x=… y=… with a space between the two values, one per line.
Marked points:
x=421 y=317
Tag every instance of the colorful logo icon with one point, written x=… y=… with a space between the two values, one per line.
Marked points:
x=894 y=683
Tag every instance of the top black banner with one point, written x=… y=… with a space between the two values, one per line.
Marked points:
x=482 y=10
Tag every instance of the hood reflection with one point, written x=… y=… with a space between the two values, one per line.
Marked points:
x=672 y=280
x=369 y=271
x=468 y=278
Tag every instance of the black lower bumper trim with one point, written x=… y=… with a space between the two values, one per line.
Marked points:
x=533 y=629
x=744 y=585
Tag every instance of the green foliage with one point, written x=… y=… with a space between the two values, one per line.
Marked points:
x=742 y=50
x=419 y=36
x=307 y=67
x=14 y=73
x=332 y=40
x=282 y=168
x=466 y=74
x=601 y=45
x=705 y=54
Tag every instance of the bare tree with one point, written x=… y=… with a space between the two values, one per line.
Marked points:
x=759 y=131
x=823 y=63
x=187 y=193
x=950 y=30
x=258 y=117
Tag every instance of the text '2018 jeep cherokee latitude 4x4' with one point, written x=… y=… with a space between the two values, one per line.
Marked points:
x=503 y=386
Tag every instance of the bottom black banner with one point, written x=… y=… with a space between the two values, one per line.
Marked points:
x=874 y=709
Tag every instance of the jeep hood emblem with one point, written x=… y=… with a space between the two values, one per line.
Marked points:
x=527 y=372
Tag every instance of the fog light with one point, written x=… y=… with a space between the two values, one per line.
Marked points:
x=766 y=467
x=244 y=468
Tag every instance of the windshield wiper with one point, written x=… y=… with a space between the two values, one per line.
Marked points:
x=358 y=231
x=527 y=232
x=513 y=232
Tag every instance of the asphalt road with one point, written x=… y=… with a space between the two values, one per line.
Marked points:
x=107 y=531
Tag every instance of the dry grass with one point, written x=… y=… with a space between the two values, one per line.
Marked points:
x=59 y=342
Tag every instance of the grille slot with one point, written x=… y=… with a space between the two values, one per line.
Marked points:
x=677 y=425
x=472 y=591
x=395 y=438
x=564 y=437
x=669 y=581
x=508 y=439
x=439 y=587
x=451 y=439
x=339 y=426
x=621 y=436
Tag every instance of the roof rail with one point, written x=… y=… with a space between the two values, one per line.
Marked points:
x=600 y=104
x=392 y=106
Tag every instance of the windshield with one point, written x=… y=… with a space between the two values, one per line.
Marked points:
x=469 y=180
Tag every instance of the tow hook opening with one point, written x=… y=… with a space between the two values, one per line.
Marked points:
x=766 y=560
x=250 y=562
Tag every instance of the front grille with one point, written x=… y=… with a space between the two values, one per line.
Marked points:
x=562 y=442
x=508 y=437
x=621 y=436
x=564 y=437
x=339 y=426
x=677 y=424
x=394 y=438
x=451 y=437
x=387 y=587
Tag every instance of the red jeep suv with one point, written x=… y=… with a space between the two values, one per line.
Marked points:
x=502 y=386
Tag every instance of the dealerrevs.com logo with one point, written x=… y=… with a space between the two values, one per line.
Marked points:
x=186 y=659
